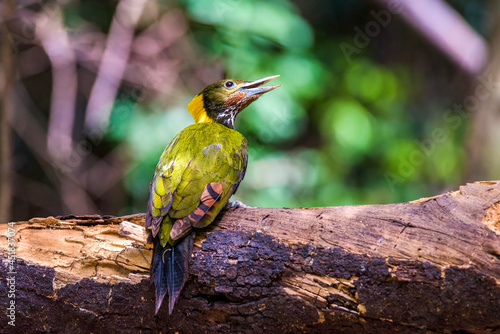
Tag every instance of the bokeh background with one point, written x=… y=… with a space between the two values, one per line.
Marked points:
x=381 y=101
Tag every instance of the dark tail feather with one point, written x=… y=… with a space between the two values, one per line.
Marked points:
x=157 y=270
x=169 y=269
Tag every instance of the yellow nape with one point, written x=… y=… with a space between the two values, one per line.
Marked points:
x=197 y=110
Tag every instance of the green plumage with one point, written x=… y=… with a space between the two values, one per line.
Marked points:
x=200 y=154
x=196 y=175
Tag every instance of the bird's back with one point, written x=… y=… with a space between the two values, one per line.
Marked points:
x=201 y=154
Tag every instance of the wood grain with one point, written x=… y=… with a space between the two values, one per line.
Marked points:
x=431 y=265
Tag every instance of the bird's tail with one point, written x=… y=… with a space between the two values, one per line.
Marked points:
x=169 y=269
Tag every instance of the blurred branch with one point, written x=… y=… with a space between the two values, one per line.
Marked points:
x=151 y=69
x=30 y=131
x=113 y=63
x=7 y=68
x=54 y=38
x=60 y=146
x=446 y=29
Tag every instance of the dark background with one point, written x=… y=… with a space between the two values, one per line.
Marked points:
x=381 y=101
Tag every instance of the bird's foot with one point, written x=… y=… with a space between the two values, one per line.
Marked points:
x=238 y=205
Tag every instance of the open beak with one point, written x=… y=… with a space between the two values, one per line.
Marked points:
x=253 y=88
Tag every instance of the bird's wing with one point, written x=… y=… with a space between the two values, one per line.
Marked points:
x=160 y=189
x=194 y=179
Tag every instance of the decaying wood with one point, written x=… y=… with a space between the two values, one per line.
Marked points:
x=428 y=266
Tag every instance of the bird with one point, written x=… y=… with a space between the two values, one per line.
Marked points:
x=196 y=175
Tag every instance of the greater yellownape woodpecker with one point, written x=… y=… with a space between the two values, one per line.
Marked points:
x=197 y=173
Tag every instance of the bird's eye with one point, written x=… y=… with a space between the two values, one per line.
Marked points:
x=229 y=84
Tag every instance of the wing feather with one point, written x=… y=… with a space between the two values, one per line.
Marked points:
x=201 y=155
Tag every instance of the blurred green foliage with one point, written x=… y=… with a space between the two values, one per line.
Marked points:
x=337 y=132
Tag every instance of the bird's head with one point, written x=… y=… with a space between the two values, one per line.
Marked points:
x=221 y=101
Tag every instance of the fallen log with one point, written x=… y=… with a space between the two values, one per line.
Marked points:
x=427 y=266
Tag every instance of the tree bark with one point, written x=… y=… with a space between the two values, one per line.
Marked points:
x=427 y=266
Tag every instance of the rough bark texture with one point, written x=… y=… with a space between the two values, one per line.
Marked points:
x=428 y=266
